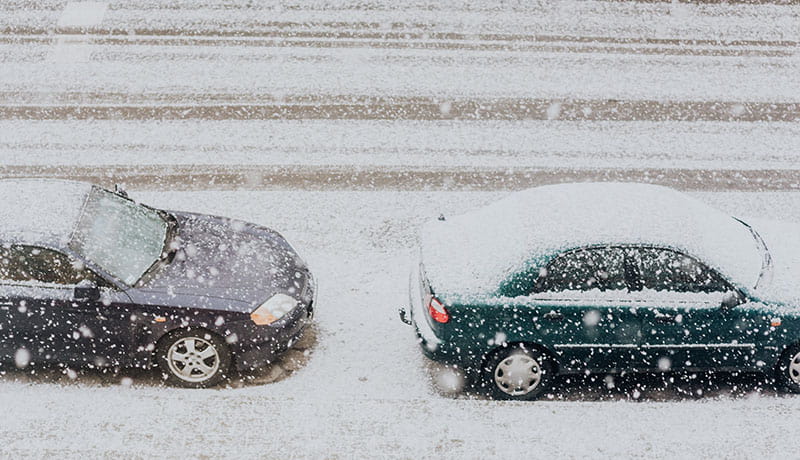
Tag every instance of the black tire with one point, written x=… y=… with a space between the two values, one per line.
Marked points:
x=788 y=369
x=205 y=358
x=518 y=387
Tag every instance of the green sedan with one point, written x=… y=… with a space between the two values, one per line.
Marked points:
x=604 y=278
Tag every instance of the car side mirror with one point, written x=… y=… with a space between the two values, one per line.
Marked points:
x=730 y=300
x=86 y=290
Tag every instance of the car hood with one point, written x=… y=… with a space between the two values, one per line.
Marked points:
x=781 y=284
x=224 y=263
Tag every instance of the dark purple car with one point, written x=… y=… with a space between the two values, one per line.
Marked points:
x=88 y=276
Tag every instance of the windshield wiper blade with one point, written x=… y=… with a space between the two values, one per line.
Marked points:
x=766 y=263
x=167 y=253
x=152 y=268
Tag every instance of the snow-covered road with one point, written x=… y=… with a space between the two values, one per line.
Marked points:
x=397 y=144
x=364 y=392
x=589 y=84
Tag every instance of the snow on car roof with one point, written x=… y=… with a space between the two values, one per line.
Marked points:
x=475 y=252
x=40 y=211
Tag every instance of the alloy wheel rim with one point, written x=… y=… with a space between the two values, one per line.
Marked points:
x=193 y=359
x=518 y=374
x=794 y=369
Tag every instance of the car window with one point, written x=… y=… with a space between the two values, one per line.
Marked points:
x=667 y=270
x=27 y=263
x=584 y=270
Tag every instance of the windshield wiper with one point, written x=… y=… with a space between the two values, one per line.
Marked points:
x=766 y=263
x=168 y=252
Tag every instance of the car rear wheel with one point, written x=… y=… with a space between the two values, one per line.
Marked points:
x=518 y=373
x=789 y=369
x=193 y=359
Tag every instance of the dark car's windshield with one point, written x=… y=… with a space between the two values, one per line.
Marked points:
x=120 y=236
x=766 y=261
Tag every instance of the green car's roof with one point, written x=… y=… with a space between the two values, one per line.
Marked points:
x=475 y=252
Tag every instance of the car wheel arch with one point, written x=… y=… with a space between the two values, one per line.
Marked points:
x=191 y=368
x=551 y=356
x=168 y=333
x=782 y=366
x=786 y=350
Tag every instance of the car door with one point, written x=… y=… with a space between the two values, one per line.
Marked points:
x=27 y=296
x=43 y=316
x=584 y=305
x=684 y=324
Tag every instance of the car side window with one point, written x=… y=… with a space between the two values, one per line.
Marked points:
x=28 y=263
x=668 y=270
x=600 y=268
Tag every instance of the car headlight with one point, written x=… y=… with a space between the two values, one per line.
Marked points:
x=273 y=309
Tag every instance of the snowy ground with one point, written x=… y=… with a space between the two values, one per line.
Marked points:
x=398 y=110
x=405 y=144
x=365 y=391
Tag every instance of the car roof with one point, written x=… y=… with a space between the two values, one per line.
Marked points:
x=477 y=251
x=40 y=211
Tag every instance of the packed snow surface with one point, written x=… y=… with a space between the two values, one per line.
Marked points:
x=403 y=143
x=364 y=392
x=40 y=211
x=473 y=253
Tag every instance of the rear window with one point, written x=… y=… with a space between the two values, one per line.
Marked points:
x=667 y=270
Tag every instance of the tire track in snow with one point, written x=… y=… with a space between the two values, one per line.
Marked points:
x=226 y=177
x=423 y=40
x=251 y=107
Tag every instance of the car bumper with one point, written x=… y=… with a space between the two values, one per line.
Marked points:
x=433 y=346
x=416 y=316
x=257 y=346
x=262 y=344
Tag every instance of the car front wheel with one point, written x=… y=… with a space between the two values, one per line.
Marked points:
x=789 y=369
x=193 y=359
x=518 y=373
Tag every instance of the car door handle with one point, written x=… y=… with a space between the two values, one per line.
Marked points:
x=665 y=319
x=553 y=316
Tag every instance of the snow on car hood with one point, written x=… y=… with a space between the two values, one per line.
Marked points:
x=473 y=253
x=228 y=259
x=782 y=283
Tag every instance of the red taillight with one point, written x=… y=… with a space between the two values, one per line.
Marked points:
x=437 y=311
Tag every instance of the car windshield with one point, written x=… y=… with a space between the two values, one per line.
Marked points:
x=121 y=237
